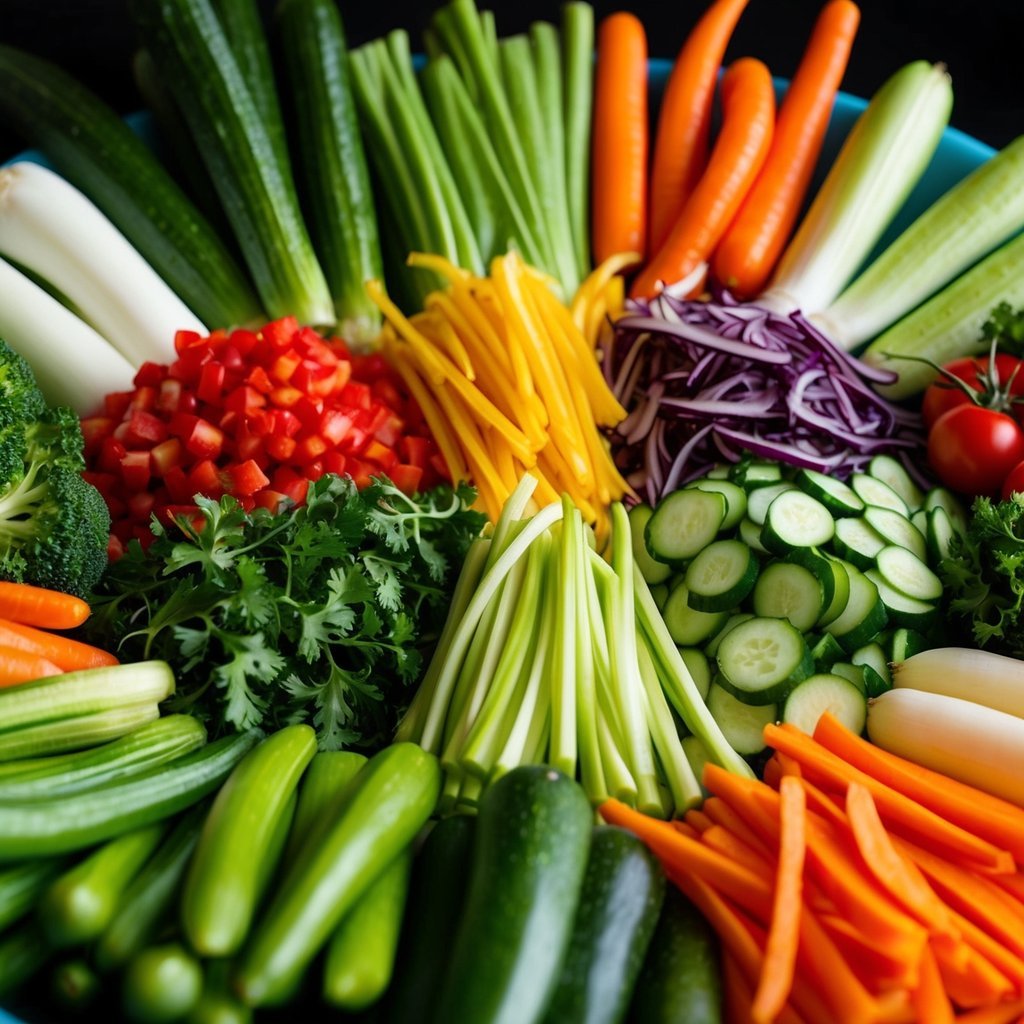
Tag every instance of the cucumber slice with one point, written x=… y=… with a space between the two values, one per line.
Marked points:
x=711 y=647
x=796 y=520
x=722 y=472
x=699 y=667
x=821 y=567
x=826 y=652
x=755 y=475
x=687 y=626
x=896 y=529
x=920 y=520
x=721 y=576
x=906 y=572
x=659 y=594
x=905 y=643
x=858 y=542
x=742 y=724
x=821 y=693
x=684 y=523
x=761 y=660
x=939 y=534
x=873 y=656
x=788 y=591
x=840 y=596
x=855 y=673
x=877 y=494
x=892 y=472
x=903 y=610
x=652 y=570
x=735 y=498
x=839 y=498
x=750 y=534
x=697 y=755
x=939 y=497
x=759 y=500
x=864 y=616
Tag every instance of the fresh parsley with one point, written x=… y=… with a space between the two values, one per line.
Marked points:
x=323 y=613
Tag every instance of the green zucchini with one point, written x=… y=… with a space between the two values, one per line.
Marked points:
x=99 y=154
x=222 y=884
x=161 y=984
x=217 y=1004
x=619 y=907
x=526 y=874
x=680 y=981
x=69 y=823
x=22 y=884
x=392 y=797
x=436 y=895
x=195 y=57
x=342 y=218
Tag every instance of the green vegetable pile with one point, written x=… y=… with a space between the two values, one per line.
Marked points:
x=322 y=613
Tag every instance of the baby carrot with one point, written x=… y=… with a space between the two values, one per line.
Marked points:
x=64 y=652
x=751 y=247
x=17 y=666
x=748 y=116
x=619 y=156
x=37 y=606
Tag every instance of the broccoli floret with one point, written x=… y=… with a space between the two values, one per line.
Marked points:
x=21 y=401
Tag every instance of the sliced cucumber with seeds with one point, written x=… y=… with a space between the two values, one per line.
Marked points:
x=840 y=595
x=864 y=616
x=906 y=572
x=920 y=520
x=761 y=660
x=939 y=534
x=742 y=724
x=735 y=498
x=892 y=472
x=873 y=655
x=711 y=647
x=839 y=498
x=901 y=609
x=754 y=475
x=687 y=626
x=750 y=534
x=939 y=497
x=877 y=494
x=858 y=542
x=821 y=693
x=826 y=652
x=652 y=570
x=788 y=591
x=821 y=567
x=721 y=576
x=684 y=523
x=796 y=520
x=896 y=529
x=699 y=667
x=855 y=673
x=759 y=500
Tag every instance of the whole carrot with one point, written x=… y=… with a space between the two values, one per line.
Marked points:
x=748 y=115
x=751 y=247
x=68 y=654
x=684 y=119
x=619 y=154
x=37 y=606
x=18 y=666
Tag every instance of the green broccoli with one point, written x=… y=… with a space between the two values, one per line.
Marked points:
x=54 y=526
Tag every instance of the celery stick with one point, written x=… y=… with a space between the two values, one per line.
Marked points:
x=562 y=668
x=591 y=768
x=619 y=779
x=510 y=517
x=449 y=798
x=489 y=27
x=578 y=64
x=469 y=792
x=538 y=736
x=449 y=41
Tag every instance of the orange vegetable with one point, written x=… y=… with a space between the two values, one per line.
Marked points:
x=748 y=116
x=684 y=118
x=64 y=652
x=1005 y=1013
x=37 y=606
x=17 y=666
x=929 y=999
x=751 y=247
x=619 y=150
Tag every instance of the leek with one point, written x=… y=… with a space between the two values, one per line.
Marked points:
x=881 y=160
x=72 y=364
x=49 y=227
x=970 y=220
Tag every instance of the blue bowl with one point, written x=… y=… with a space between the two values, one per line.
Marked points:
x=956 y=156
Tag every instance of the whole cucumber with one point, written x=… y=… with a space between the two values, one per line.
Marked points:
x=526 y=875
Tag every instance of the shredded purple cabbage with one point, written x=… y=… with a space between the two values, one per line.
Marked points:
x=707 y=382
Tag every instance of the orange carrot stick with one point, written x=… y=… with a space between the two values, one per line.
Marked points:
x=737 y=997
x=751 y=247
x=779 y=965
x=37 y=606
x=872 y=967
x=698 y=820
x=17 y=666
x=748 y=116
x=735 y=849
x=1012 y=885
x=929 y=999
x=619 y=149
x=64 y=652
x=974 y=982
x=1004 y=1013
x=722 y=814
x=900 y=813
x=1008 y=963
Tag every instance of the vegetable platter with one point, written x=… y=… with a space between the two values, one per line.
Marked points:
x=484 y=535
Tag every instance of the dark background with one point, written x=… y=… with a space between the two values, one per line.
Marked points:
x=981 y=42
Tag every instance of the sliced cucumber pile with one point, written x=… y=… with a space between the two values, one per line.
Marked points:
x=795 y=589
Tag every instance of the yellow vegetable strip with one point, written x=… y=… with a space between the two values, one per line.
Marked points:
x=495 y=306
x=439 y=264
x=437 y=329
x=461 y=297
x=596 y=281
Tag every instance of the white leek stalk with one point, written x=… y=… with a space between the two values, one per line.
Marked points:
x=73 y=365
x=969 y=221
x=966 y=741
x=52 y=229
x=881 y=160
x=979 y=676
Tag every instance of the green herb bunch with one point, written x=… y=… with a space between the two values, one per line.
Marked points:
x=323 y=613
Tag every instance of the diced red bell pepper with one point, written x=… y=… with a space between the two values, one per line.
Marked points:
x=135 y=471
x=204 y=441
x=144 y=429
x=204 y=478
x=405 y=477
x=211 y=382
x=149 y=374
x=165 y=456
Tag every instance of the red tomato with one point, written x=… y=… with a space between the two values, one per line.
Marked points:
x=943 y=395
x=972 y=449
x=1014 y=482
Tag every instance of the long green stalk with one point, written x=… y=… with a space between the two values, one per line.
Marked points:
x=562 y=669
x=578 y=65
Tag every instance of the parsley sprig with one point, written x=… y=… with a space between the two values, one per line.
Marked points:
x=322 y=613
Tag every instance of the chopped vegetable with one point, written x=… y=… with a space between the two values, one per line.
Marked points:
x=577 y=31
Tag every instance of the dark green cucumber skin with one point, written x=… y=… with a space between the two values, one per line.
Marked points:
x=22 y=884
x=437 y=892
x=680 y=981
x=622 y=896
x=97 y=152
x=526 y=874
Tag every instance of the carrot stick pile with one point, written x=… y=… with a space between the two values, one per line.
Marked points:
x=852 y=886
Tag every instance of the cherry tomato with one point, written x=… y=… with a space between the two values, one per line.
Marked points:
x=942 y=395
x=1014 y=482
x=972 y=449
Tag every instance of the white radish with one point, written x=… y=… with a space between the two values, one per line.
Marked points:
x=966 y=741
x=53 y=230
x=980 y=676
x=72 y=364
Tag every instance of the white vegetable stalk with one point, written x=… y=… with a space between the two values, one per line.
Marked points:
x=961 y=739
x=73 y=365
x=969 y=221
x=881 y=160
x=52 y=229
x=993 y=680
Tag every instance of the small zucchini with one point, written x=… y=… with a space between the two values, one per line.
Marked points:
x=161 y=984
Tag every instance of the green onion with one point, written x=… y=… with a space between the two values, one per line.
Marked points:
x=578 y=92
